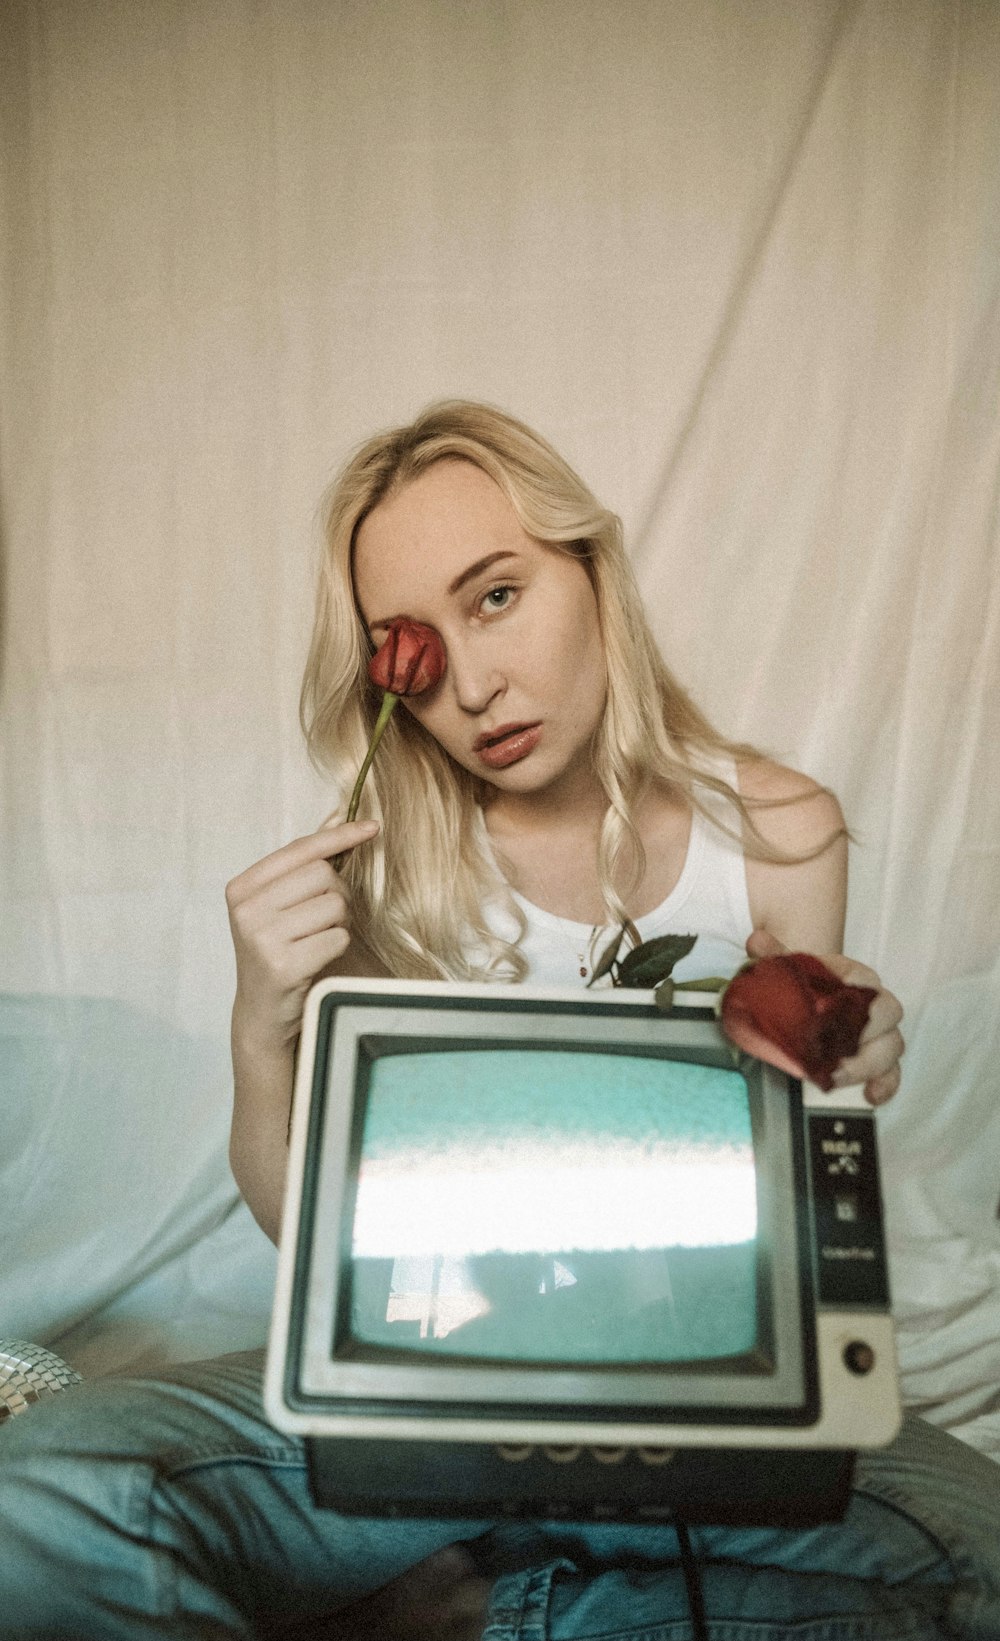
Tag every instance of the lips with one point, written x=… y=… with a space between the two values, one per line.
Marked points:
x=507 y=744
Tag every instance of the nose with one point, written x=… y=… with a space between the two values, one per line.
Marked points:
x=475 y=679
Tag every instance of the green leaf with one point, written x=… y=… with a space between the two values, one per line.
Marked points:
x=663 y=997
x=607 y=957
x=712 y=982
x=653 y=961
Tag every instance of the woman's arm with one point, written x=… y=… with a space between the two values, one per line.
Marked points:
x=290 y=921
x=802 y=907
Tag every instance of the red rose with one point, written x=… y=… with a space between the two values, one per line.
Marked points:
x=792 y=1011
x=410 y=660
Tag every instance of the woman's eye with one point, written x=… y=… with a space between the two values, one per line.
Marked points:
x=497 y=598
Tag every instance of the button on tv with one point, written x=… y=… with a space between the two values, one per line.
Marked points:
x=516 y=1455
x=608 y=1455
x=859 y=1357
x=656 y=1455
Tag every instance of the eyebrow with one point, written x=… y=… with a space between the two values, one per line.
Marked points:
x=460 y=580
x=480 y=565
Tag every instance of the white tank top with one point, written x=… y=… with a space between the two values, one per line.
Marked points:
x=709 y=900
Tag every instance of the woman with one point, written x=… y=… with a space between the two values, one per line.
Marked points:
x=554 y=783
x=581 y=812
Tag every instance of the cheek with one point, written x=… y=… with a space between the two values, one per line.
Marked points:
x=418 y=709
x=432 y=716
x=581 y=652
x=590 y=694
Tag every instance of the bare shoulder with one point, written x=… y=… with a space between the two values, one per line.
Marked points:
x=802 y=901
x=792 y=811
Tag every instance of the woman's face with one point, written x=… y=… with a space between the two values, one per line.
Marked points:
x=526 y=681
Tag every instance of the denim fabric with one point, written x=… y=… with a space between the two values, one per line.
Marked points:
x=168 y=1507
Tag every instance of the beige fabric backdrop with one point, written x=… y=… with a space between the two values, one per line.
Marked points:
x=739 y=261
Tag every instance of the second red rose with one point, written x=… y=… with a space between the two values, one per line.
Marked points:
x=795 y=1005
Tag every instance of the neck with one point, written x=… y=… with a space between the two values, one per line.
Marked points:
x=549 y=853
x=575 y=810
x=547 y=849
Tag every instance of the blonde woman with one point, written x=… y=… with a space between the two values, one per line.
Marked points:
x=508 y=861
x=554 y=783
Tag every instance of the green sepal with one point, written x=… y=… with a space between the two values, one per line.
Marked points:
x=663 y=996
x=605 y=962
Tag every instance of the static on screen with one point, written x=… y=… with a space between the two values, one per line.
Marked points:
x=541 y=1205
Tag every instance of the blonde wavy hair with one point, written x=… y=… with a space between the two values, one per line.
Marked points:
x=420 y=892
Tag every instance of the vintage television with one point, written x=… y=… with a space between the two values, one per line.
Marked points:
x=564 y=1254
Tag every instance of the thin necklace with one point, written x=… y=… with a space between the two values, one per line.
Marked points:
x=582 y=957
x=600 y=937
x=590 y=953
x=587 y=954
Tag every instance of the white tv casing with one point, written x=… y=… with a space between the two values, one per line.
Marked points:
x=855 y=1410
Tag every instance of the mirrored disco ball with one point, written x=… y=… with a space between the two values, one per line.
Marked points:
x=27 y=1373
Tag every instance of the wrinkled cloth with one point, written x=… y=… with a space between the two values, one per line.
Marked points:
x=167 y=1506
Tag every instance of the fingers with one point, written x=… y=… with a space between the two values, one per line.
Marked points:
x=880 y=1089
x=295 y=887
x=313 y=915
x=762 y=943
x=305 y=959
x=290 y=919
x=286 y=909
x=327 y=842
x=874 y=1061
x=881 y=1045
x=885 y=1013
x=851 y=972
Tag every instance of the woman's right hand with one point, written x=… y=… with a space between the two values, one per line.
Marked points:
x=290 y=919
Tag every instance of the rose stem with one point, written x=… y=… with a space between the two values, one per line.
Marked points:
x=385 y=713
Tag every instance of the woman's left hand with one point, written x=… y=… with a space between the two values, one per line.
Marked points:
x=876 y=1064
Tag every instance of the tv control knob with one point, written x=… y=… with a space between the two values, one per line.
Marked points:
x=609 y=1455
x=859 y=1357
x=656 y=1456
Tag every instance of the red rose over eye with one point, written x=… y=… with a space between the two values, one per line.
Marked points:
x=410 y=660
x=792 y=1011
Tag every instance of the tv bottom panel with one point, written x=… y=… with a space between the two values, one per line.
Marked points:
x=712 y=1486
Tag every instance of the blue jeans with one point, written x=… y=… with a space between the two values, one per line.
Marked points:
x=167 y=1506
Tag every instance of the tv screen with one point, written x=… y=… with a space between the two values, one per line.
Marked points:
x=544 y=1205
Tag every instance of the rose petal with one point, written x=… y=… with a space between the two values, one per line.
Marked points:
x=794 y=1012
x=744 y=1034
x=410 y=659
